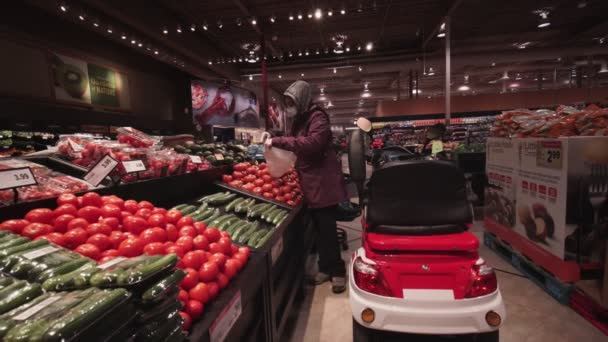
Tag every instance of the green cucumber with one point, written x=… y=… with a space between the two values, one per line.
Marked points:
x=247 y=234
x=268 y=211
x=230 y=230
x=216 y=214
x=23 y=247
x=256 y=236
x=257 y=210
x=268 y=217
x=215 y=223
x=212 y=196
x=203 y=215
x=188 y=210
x=180 y=207
x=203 y=207
x=146 y=270
x=14 y=242
x=83 y=314
x=281 y=220
x=240 y=231
x=244 y=206
x=63 y=269
x=230 y=206
x=227 y=223
x=279 y=216
x=156 y=292
x=265 y=238
x=67 y=281
x=221 y=200
x=24 y=294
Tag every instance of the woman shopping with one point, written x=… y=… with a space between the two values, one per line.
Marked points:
x=320 y=176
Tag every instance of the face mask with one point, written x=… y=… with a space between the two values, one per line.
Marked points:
x=290 y=112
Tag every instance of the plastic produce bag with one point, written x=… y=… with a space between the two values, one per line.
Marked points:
x=278 y=161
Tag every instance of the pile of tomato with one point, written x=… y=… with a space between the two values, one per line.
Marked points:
x=257 y=179
x=104 y=227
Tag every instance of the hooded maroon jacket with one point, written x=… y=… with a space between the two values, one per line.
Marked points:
x=317 y=164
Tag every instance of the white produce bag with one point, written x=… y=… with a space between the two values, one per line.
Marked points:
x=278 y=161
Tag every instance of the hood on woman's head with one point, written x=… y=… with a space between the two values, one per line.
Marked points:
x=301 y=94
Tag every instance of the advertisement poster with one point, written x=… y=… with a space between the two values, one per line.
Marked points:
x=502 y=163
x=223 y=105
x=76 y=80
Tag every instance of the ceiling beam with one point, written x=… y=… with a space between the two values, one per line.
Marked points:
x=247 y=13
x=450 y=11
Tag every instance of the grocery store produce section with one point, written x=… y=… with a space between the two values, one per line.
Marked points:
x=168 y=253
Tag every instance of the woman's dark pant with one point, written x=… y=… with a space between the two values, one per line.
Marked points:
x=330 y=259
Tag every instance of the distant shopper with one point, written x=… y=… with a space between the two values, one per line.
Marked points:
x=320 y=176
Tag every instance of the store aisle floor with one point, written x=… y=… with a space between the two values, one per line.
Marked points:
x=533 y=316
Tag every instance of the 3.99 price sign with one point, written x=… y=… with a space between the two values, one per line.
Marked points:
x=549 y=154
x=16 y=178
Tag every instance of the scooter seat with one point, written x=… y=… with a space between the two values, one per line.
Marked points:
x=418 y=230
x=443 y=243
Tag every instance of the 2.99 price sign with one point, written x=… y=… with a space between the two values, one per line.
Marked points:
x=16 y=178
x=549 y=154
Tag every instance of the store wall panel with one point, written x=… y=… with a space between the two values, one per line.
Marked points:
x=24 y=71
x=493 y=102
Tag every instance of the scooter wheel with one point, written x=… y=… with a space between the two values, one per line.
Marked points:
x=488 y=337
x=363 y=334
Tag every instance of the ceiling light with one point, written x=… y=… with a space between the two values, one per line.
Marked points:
x=205 y=27
x=63 y=7
x=493 y=64
x=329 y=104
x=290 y=54
x=210 y=62
x=306 y=53
x=348 y=49
x=280 y=76
x=109 y=30
x=123 y=37
x=464 y=87
x=193 y=28
x=360 y=68
x=492 y=81
x=156 y=52
x=431 y=72
x=366 y=93
x=300 y=53
x=250 y=77
x=240 y=59
x=505 y=75
x=517 y=77
x=291 y=17
x=299 y=16
x=369 y=46
x=514 y=85
x=343 y=11
x=165 y=31
x=417 y=91
x=220 y=24
x=179 y=29
x=309 y=15
x=239 y=22
x=604 y=68
x=326 y=51
x=96 y=24
x=523 y=45
x=441 y=32
x=140 y=44
x=330 y=13
x=133 y=41
x=335 y=70
x=81 y=17
x=544 y=18
x=317 y=52
x=318 y=14
x=254 y=21
x=582 y=4
x=302 y=74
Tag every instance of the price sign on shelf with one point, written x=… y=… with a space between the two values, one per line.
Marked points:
x=196 y=159
x=226 y=319
x=100 y=170
x=549 y=154
x=133 y=166
x=219 y=156
x=16 y=178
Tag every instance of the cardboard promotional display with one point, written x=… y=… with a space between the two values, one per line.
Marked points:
x=502 y=165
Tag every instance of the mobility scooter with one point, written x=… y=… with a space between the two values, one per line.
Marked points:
x=418 y=270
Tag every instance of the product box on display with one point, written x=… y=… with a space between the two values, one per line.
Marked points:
x=557 y=180
x=502 y=165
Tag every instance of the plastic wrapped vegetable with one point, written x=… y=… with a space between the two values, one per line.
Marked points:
x=134 y=271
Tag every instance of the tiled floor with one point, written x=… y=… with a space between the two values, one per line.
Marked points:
x=533 y=316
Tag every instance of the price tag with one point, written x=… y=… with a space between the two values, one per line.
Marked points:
x=219 y=156
x=226 y=319
x=100 y=170
x=75 y=147
x=133 y=166
x=549 y=154
x=196 y=159
x=111 y=263
x=40 y=252
x=34 y=309
x=276 y=250
x=16 y=178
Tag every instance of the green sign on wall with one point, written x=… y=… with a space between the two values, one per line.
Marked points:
x=104 y=91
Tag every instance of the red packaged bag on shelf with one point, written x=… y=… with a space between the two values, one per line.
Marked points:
x=134 y=137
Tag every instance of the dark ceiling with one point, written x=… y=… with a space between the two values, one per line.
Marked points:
x=486 y=42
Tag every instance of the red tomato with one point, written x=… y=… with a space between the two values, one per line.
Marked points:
x=187 y=321
x=61 y=223
x=188 y=231
x=131 y=206
x=199 y=292
x=124 y=214
x=227 y=178
x=231 y=268
x=245 y=250
x=88 y=250
x=258 y=182
x=172 y=233
x=262 y=166
x=285 y=189
x=65 y=209
x=185 y=242
x=173 y=216
x=237 y=175
x=222 y=280
x=155 y=248
x=109 y=253
x=200 y=242
x=134 y=224
x=248 y=187
x=219 y=258
x=35 y=229
x=183 y=296
x=99 y=228
x=15 y=226
x=291 y=203
x=267 y=187
x=116 y=238
x=56 y=238
x=144 y=213
x=40 y=215
x=79 y=200
x=288 y=196
x=101 y=241
x=190 y=280
x=224 y=234
x=92 y=199
x=267 y=179
x=275 y=183
x=177 y=250
x=280 y=198
x=75 y=237
x=249 y=179
x=192 y=260
x=208 y=271
x=111 y=221
x=225 y=244
x=200 y=227
x=236 y=184
x=161 y=211
x=90 y=213
x=242 y=257
x=131 y=247
x=194 y=308
x=214 y=289
x=111 y=210
x=268 y=194
x=275 y=191
x=145 y=204
x=212 y=234
x=155 y=234
x=105 y=259
x=240 y=167
x=115 y=200
x=77 y=223
x=185 y=221
x=258 y=190
x=234 y=249
x=67 y=199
